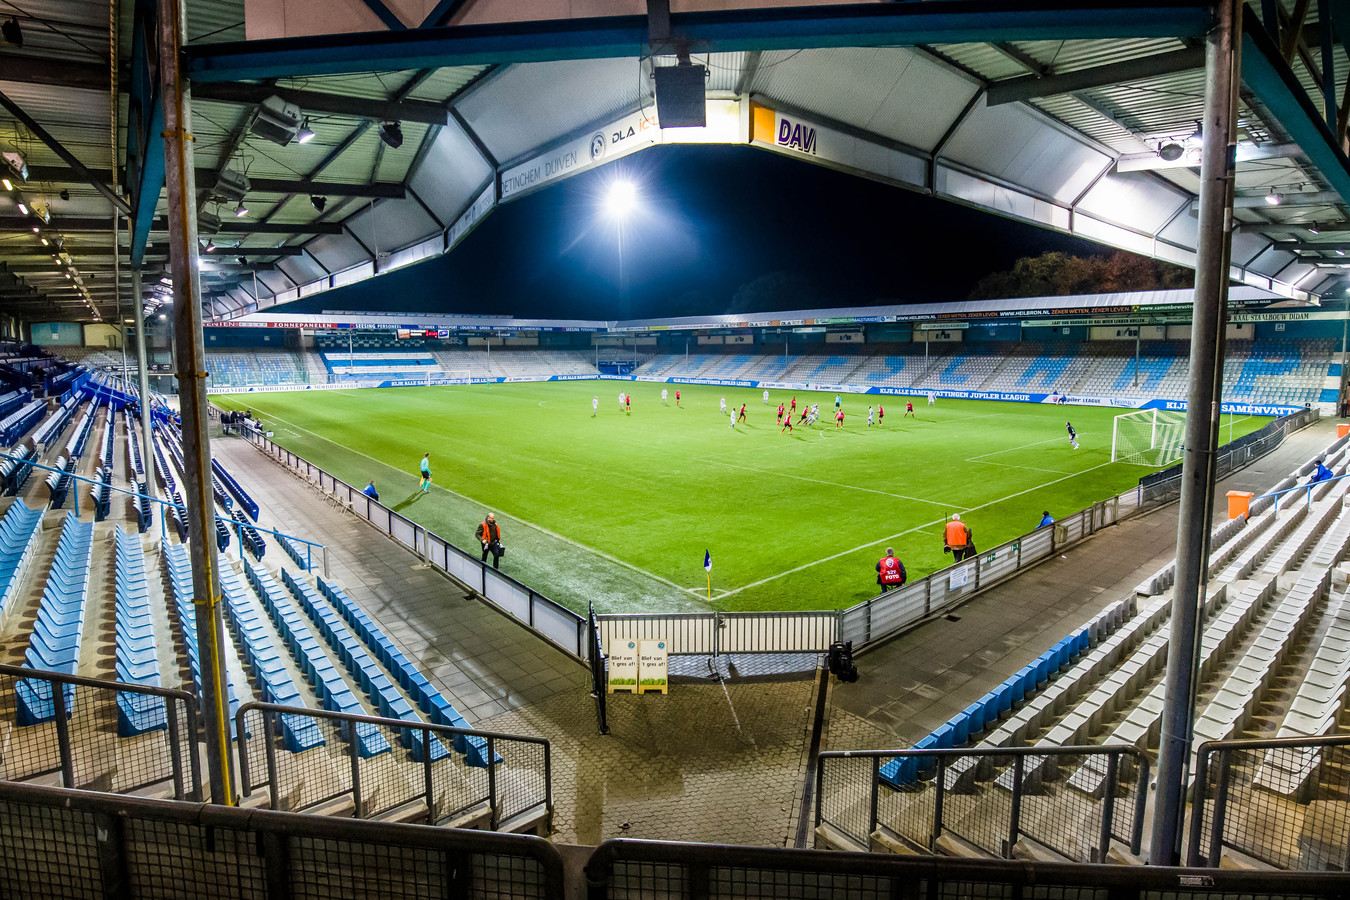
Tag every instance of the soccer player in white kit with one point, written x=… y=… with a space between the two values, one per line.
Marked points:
x=724 y=403
x=595 y=405
x=932 y=399
x=733 y=419
x=663 y=397
x=766 y=398
x=869 y=417
x=621 y=399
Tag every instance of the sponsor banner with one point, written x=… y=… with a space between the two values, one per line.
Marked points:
x=632 y=132
x=783 y=385
x=482 y=205
x=797 y=136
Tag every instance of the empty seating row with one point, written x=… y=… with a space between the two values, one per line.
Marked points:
x=18 y=535
x=14 y=472
x=1235 y=702
x=428 y=699
x=134 y=449
x=14 y=400
x=50 y=430
x=59 y=480
x=312 y=660
x=142 y=504
x=1316 y=708
x=180 y=581
x=108 y=441
x=294 y=550
x=137 y=650
x=79 y=438
x=16 y=424
x=988 y=710
x=234 y=488
x=56 y=639
x=100 y=494
x=259 y=653
x=367 y=672
x=249 y=538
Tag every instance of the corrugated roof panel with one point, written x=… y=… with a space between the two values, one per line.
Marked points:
x=1073 y=112
x=451 y=174
x=725 y=70
x=443 y=84
x=528 y=106
x=209 y=21
x=1071 y=56
x=1013 y=144
x=898 y=93
x=1133 y=199
x=986 y=60
x=367 y=85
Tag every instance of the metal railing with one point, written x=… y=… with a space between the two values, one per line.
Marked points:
x=599 y=672
x=657 y=870
x=1285 y=802
x=990 y=798
x=557 y=623
x=75 y=845
x=81 y=741
x=517 y=781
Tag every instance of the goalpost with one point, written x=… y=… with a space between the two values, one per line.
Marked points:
x=1148 y=437
x=452 y=374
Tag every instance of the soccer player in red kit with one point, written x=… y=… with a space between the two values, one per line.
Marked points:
x=741 y=417
x=881 y=413
x=909 y=409
x=780 y=414
x=839 y=418
x=794 y=405
x=677 y=397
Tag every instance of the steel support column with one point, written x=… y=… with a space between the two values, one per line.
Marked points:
x=190 y=361
x=1217 y=166
x=143 y=371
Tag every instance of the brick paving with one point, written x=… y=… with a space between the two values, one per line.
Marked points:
x=715 y=760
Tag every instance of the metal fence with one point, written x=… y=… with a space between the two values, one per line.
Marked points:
x=443 y=782
x=655 y=870
x=74 y=845
x=80 y=738
x=988 y=798
x=555 y=622
x=1284 y=802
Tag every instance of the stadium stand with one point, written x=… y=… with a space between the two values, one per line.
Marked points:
x=242 y=369
x=57 y=633
x=18 y=534
x=137 y=648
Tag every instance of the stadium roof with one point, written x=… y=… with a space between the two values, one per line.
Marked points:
x=1058 y=114
x=1123 y=307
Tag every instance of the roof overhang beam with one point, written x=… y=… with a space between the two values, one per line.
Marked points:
x=423 y=111
x=1034 y=86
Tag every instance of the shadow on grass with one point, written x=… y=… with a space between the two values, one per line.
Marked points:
x=409 y=500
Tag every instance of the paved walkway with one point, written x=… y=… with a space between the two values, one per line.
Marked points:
x=714 y=761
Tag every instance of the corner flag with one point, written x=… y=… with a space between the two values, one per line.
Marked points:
x=707 y=567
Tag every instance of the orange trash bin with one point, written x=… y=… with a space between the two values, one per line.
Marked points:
x=1342 y=429
x=1238 y=501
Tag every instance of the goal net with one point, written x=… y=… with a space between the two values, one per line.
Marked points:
x=1148 y=437
x=453 y=374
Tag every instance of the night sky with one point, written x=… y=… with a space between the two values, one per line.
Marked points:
x=718 y=229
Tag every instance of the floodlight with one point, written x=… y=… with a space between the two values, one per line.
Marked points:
x=240 y=210
x=9 y=185
x=621 y=199
x=318 y=202
x=1312 y=227
x=276 y=120
x=392 y=134
x=16 y=162
x=1274 y=198
x=1171 y=150
x=305 y=134
x=23 y=208
x=11 y=32
x=231 y=185
x=207 y=222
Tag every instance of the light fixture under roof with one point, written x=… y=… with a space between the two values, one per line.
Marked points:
x=305 y=134
x=1171 y=150
x=1312 y=227
x=1274 y=198
x=241 y=210
x=276 y=120
x=23 y=208
x=318 y=202
x=392 y=134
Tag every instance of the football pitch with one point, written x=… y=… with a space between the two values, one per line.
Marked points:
x=618 y=508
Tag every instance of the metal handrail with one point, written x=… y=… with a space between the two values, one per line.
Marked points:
x=1203 y=753
x=959 y=876
x=229 y=523
x=271 y=828
x=1018 y=754
x=428 y=728
x=1301 y=487
x=67 y=765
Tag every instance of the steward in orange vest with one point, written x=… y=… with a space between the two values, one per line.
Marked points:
x=957 y=539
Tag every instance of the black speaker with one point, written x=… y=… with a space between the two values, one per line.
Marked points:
x=680 y=101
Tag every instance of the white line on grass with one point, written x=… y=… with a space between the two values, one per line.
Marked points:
x=697 y=592
x=989 y=462
x=1014 y=449
x=818 y=481
x=899 y=534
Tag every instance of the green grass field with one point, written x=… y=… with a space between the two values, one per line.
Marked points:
x=618 y=509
